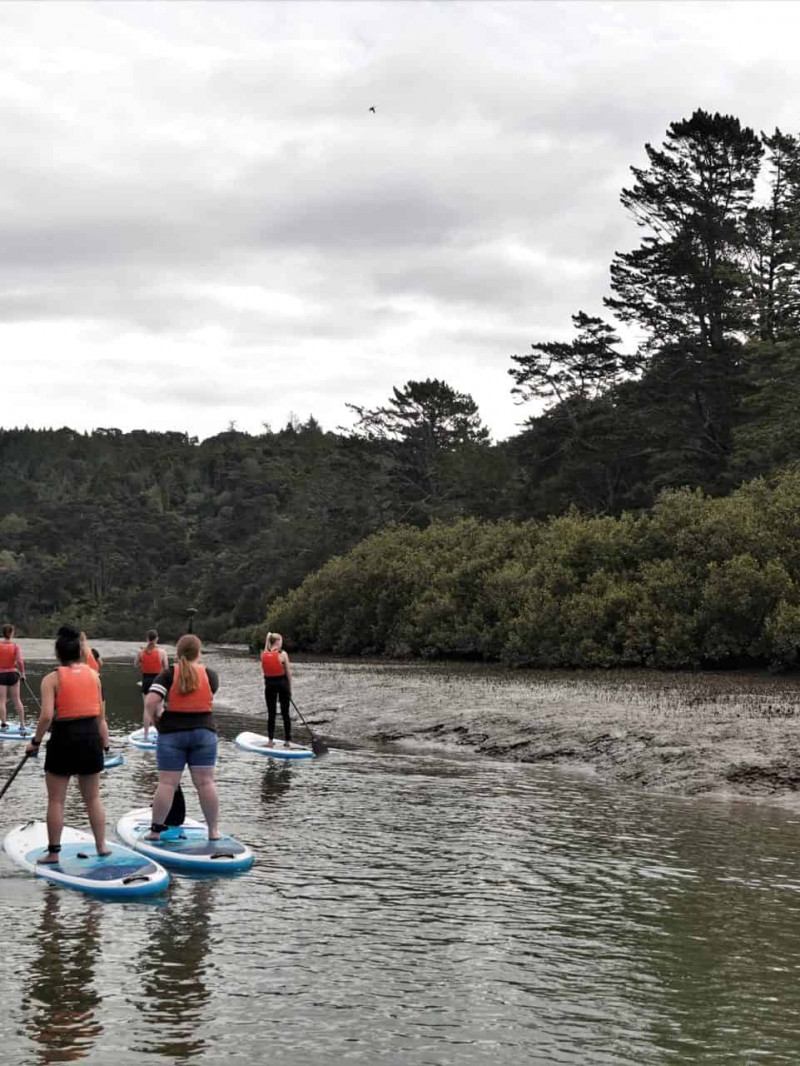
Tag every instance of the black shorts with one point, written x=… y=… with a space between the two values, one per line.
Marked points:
x=74 y=747
x=147 y=681
x=9 y=677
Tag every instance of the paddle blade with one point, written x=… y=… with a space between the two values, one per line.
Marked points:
x=318 y=746
x=177 y=812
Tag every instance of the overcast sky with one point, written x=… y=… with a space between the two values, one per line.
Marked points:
x=201 y=220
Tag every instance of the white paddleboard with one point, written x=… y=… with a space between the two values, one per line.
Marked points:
x=123 y=874
x=113 y=760
x=15 y=733
x=137 y=739
x=277 y=750
x=185 y=847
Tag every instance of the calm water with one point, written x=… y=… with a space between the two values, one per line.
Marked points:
x=413 y=908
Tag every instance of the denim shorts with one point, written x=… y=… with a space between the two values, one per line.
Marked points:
x=197 y=747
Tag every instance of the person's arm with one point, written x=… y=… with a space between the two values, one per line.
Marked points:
x=20 y=663
x=287 y=666
x=154 y=700
x=164 y=659
x=103 y=723
x=45 y=715
x=137 y=659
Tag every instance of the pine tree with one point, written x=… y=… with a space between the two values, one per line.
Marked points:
x=685 y=281
x=772 y=249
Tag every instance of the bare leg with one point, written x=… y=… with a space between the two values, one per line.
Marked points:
x=56 y=794
x=89 y=785
x=203 y=778
x=3 y=694
x=19 y=704
x=168 y=781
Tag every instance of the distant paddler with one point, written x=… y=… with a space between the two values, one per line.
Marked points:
x=87 y=654
x=72 y=708
x=12 y=669
x=151 y=660
x=277 y=671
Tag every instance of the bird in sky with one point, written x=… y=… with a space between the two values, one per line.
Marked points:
x=374 y=112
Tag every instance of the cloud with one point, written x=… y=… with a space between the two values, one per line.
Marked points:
x=197 y=196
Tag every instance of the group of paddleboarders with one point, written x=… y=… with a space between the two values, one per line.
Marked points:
x=178 y=704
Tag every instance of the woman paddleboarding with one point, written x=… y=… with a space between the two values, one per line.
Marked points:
x=186 y=734
x=72 y=709
x=12 y=670
x=151 y=660
x=277 y=671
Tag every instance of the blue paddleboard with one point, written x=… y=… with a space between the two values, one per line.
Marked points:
x=124 y=874
x=185 y=847
x=137 y=739
x=260 y=745
x=15 y=733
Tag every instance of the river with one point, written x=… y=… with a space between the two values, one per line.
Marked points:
x=410 y=905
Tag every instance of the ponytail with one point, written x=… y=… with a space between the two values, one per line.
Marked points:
x=188 y=651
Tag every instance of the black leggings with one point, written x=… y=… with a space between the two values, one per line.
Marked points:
x=276 y=688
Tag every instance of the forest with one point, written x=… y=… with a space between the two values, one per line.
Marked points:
x=643 y=514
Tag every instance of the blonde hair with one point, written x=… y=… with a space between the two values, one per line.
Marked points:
x=274 y=640
x=188 y=650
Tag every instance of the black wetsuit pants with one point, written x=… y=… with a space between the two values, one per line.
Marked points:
x=277 y=688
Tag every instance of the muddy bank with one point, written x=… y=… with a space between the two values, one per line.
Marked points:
x=685 y=733
x=682 y=733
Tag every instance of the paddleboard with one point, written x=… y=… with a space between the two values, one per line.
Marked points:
x=261 y=746
x=137 y=739
x=112 y=760
x=123 y=874
x=15 y=733
x=185 y=847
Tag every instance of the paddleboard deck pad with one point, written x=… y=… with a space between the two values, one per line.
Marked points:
x=15 y=733
x=137 y=739
x=124 y=874
x=261 y=746
x=185 y=847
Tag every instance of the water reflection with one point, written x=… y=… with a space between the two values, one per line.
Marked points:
x=60 y=996
x=173 y=968
x=276 y=782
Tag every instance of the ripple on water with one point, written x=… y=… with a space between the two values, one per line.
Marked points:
x=409 y=908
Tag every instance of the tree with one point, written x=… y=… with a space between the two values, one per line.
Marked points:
x=685 y=280
x=421 y=425
x=772 y=244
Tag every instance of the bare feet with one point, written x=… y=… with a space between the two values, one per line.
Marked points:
x=48 y=859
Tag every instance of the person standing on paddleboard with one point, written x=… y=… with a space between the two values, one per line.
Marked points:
x=72 y=708
x=151 y=660
x=12 y=670
x=186 y=734
x=87 y=654
x=277 y=671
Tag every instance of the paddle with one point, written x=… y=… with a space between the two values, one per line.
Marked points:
x=14 y=773
x=318 y=746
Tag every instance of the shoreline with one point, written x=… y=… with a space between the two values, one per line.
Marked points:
x=690 y=733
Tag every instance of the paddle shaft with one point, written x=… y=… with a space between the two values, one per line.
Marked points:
x=318 y=746
x=33 y=694
x=14 y=773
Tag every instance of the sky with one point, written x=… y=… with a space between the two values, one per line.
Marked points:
x=202 y=222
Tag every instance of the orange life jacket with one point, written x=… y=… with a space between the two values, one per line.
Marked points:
x=78 y=693
x=195 y=702
x=272 y=664
x=8 y=655
x=92 y=662
x=150 y=660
